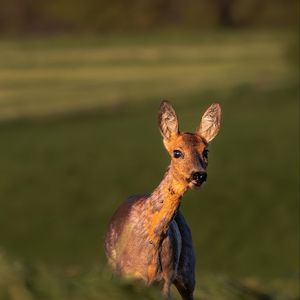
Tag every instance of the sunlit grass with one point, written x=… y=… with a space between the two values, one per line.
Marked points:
x=49 y=79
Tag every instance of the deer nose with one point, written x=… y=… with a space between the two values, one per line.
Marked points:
x=199 y=177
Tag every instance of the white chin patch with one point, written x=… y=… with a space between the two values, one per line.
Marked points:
x=195 y=186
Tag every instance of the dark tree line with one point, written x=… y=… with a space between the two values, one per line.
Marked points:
x=45 y=16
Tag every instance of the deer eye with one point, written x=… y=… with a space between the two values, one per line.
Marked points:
x=205 y=153
x=177 y=153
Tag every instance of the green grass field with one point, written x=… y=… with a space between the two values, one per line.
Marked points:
x=78 y=130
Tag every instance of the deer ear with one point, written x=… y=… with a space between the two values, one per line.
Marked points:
x=210 y=122
x=167 y=120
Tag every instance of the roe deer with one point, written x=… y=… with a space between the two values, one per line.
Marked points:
x=148 y=237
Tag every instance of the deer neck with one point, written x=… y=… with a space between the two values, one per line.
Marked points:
x=164 y=202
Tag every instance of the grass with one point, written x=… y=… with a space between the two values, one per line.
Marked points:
x=18 y=282
x=79 y=134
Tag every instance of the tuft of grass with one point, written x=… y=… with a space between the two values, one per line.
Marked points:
x=20 y=282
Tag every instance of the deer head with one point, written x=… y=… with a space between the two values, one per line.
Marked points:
x=189 y=151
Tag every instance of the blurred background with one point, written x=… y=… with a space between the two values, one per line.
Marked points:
x=80 y=87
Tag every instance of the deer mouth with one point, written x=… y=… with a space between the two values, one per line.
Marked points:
x=195 y=185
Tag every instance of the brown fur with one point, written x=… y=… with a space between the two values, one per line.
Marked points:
x=148 y=237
